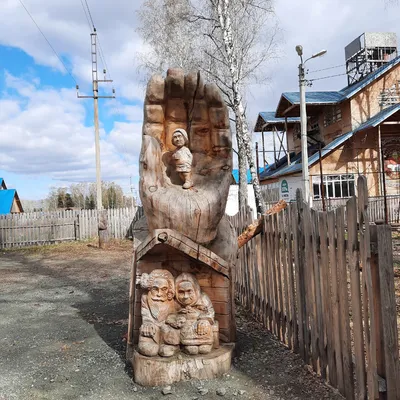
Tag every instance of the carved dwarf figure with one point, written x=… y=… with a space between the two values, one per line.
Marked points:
x=182 y=157
x=195 y=316
x=156 y=305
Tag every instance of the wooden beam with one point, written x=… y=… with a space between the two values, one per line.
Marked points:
x=256 y=227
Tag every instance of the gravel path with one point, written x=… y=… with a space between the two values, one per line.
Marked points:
x=63 y=319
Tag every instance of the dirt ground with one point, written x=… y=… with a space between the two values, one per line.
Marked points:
x=63 y=320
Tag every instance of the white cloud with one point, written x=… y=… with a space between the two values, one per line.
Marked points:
x=48 y=137
x=42 y=130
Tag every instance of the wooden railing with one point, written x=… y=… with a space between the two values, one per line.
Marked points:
x=40 y=228
x=325 y=287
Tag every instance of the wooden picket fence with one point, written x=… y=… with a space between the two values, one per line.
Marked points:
x=41 y=228
x=376 y=207
x=325 y=288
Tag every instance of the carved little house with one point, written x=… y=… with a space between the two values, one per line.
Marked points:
x=168 y=250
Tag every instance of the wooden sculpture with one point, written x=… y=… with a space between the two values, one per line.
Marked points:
x=182 y=103
x=181 y=296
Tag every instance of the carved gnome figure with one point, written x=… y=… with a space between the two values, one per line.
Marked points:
x=182 y=157
x=156 y=305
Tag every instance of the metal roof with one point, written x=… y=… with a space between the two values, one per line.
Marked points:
x=296 y=165
x=266 y=121
x=235 y=174
x=331 y=97
x=6 y=200
x=378 y=118
x=314 y=97
x=269 y=117
x=350 y=91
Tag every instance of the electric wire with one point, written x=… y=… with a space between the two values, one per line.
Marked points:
x=90 y=20
x=90 y=14
x=48 y=42
x=86 y=15
x=326 y=69
x=326 y=77
x=101 y=52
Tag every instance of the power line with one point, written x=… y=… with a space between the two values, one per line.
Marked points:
x=37 y=26
x=101 y=52
x=326 y=77
x=90 y=20
x=86 y=15
x=325 y=69
x=90 y=14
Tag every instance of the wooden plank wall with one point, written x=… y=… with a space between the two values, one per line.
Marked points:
x=40 y=228
x=323 y=283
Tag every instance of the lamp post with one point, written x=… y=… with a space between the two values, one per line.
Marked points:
x=303 y=121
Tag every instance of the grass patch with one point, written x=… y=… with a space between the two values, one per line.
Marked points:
x=74 y=247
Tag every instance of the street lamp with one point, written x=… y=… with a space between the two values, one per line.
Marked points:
x=303 y=120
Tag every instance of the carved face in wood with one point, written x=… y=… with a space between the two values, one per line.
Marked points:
x=159 y=290
x=186 y=294
x=179 y=138
x=187 y=289
x=160 y=284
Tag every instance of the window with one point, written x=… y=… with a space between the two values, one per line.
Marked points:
x=332 y=114
x=335 y=186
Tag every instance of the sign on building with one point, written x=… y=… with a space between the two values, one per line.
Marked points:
x=288 y=187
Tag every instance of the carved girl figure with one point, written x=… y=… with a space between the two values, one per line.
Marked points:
x=156 y=305
x=182 y=157
x=198 y=325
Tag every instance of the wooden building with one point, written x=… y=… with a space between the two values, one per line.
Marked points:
x=9 y=200
x=353 y=131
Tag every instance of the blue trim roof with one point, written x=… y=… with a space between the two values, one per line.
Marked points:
x=314 y=97
x=235 y=174
x=350 y=91
x=269 y=117
x=378 y=118
x=296 y=165
x=6 y=200
x=330 y=97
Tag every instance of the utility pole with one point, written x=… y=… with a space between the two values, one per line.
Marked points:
x=303 y=122
x=102 y=216
x=96 y=97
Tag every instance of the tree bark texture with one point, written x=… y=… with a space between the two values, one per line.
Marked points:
x=223 y=12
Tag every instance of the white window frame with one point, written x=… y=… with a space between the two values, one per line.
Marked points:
x=335 y=186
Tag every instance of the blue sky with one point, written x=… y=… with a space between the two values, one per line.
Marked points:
x=46 y=133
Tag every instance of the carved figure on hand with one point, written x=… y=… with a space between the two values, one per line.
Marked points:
x=198 y=326
x=156 y=305
x=182 y=157
x=176 y=105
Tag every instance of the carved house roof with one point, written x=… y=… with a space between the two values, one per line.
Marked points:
x=160 y=238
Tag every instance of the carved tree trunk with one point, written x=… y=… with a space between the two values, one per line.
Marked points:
x=223 y=13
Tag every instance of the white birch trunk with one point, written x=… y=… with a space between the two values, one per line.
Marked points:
x=223 y=13
x=243 y=194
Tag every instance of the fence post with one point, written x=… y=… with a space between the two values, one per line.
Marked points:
x=77 y=227
x=385 y=309
x=299 y=265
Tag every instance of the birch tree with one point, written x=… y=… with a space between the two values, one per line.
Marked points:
x=230 y=41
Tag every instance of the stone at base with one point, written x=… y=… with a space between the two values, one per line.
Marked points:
x=160 y=371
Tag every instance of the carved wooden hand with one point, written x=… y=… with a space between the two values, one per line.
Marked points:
x=185 y=102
